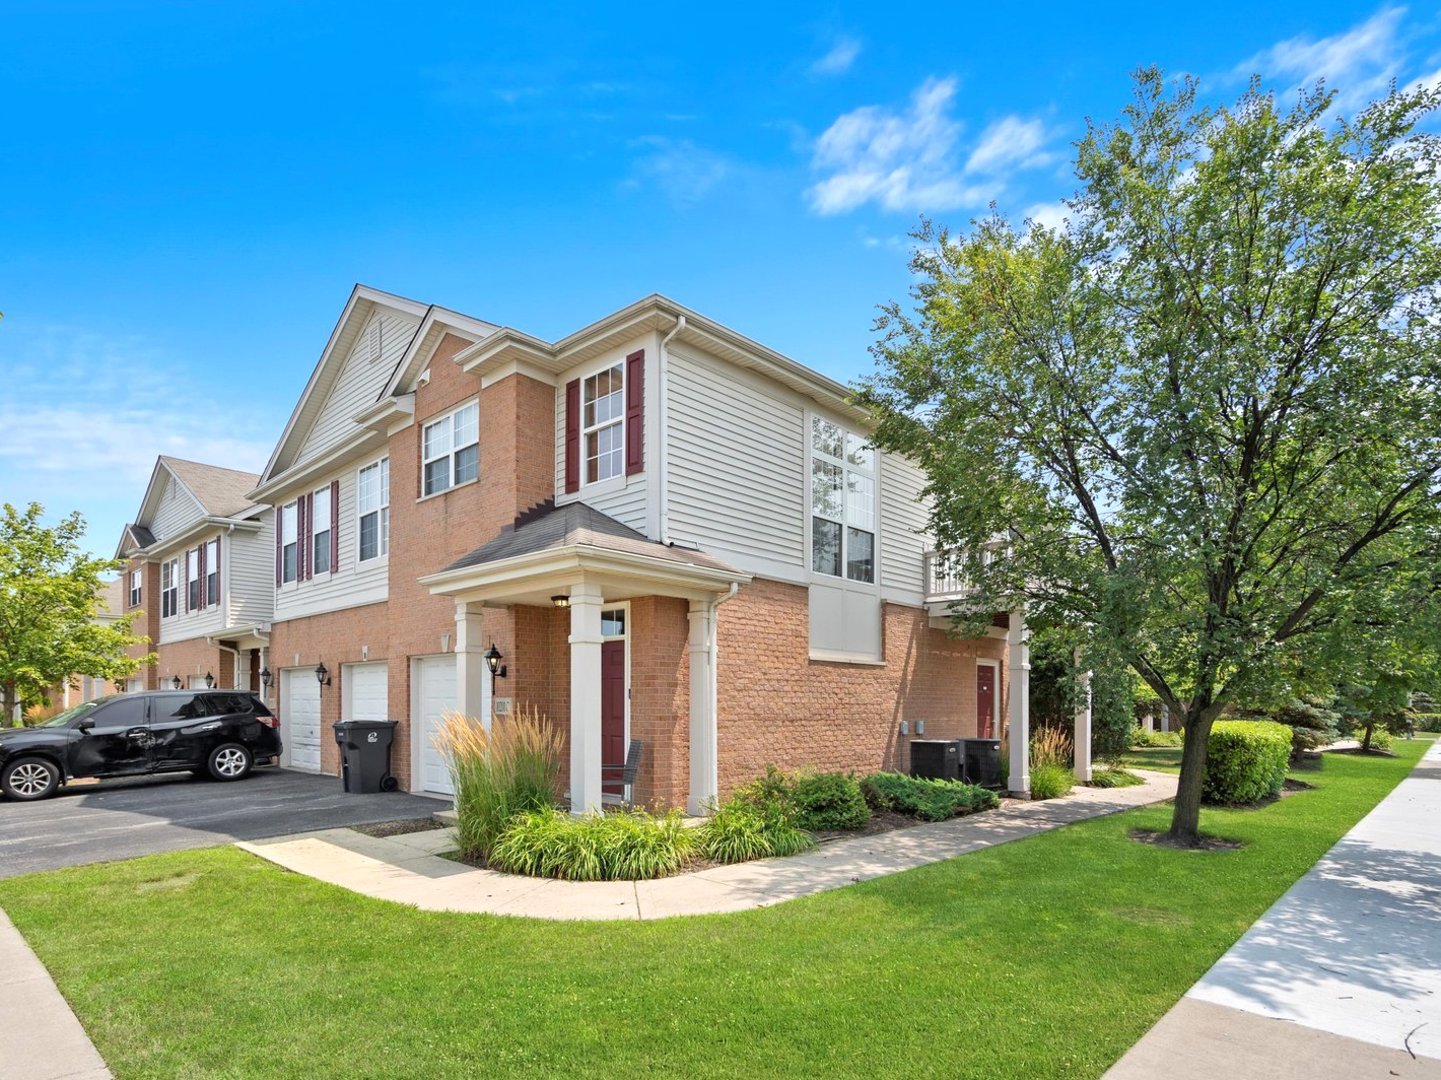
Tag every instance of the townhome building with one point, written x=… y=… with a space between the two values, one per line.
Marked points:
x=197 y=569
x=651 y=529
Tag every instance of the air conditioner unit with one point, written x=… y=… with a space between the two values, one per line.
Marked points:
x=936 y=759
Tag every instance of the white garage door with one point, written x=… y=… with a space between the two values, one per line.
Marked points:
x=435 y=676
x=366 y=687
x=300 y=718
x=132 y=686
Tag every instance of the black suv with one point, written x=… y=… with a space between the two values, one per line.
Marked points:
x=222 y=733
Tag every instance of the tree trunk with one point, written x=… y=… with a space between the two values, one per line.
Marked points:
x=1366 y=738
x=1186 y=817
x=8 y=716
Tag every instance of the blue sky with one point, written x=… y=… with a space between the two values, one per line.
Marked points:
x=190 y=190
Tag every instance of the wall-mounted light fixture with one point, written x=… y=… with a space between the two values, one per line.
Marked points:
x=493 y=660
x=322 y=676
x=265 y=677
x=175 y=681
x=209 y=681
x=561 y=601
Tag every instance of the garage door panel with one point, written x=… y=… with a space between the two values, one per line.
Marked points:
x=434 y=697
x=367 y=692
x=300 y=719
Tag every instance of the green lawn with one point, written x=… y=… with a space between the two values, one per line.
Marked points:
x=1159 y=758
x=1043 y=958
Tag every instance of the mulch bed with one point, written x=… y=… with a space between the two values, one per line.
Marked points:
x=882 y=821
x=399 y=828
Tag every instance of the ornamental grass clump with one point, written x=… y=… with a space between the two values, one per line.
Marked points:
x=743 y=829
x=513 y=768
x=628 y=845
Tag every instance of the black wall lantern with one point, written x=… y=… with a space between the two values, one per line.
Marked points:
x=175 y=681
x=322 y=676
x=209 y=681
x=493 y=660
x=265 y=677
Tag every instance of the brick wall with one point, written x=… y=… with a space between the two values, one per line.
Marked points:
x=189 y=658
x=147 y=624
x=660 y=698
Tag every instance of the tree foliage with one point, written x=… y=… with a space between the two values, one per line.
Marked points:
x=49 y=597
x=1203 y=416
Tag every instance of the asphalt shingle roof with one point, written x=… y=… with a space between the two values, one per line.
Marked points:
x=221 y=491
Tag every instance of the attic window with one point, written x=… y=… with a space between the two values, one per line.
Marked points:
x=375 y=342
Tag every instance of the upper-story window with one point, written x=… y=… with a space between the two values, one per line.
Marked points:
x=192 y=579
x=602 y=431
x=372 y=506
x=212 y=572
x=135 y=588
x=320 y=515
x=169 y=588
x=450 y=450
x=289 y=543
x=843 y=503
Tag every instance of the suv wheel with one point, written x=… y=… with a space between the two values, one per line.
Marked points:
x=30 y=778
x=229 y=761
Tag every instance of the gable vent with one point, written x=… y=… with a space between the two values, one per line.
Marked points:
x=375 y=341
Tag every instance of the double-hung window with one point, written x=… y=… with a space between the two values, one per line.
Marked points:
x=212 y=572
x=843 y=503
x=135 y=579
x=450 y=450
x=192 y=579
x=602 y=431
x=169 y=588
x=320 y=531
x=289 y=543
x=373 y=509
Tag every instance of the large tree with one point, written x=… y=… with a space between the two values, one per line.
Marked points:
x=49 y=600
x=1203 y=416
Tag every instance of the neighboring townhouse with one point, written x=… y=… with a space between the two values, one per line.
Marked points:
x=197 y=569
x=668 y=532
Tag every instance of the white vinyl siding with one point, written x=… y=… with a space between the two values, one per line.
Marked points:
x=350 y=583
x=903 y=529
x=176 y=511
x=737 y=467
x=359 y=382
x=251 y=574
x=198 y=621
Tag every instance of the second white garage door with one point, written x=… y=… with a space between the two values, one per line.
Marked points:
x=366 y=687
x=434 y=695
x=300 y=718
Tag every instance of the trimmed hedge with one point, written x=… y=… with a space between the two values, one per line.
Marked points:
x=1245 y=761
x=929 y=800
x=829 y=801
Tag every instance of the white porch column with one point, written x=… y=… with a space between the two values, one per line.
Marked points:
x=470 y=669
x=703 y=779
x=1083 y=731
x=585 y=642
x=1019 y=674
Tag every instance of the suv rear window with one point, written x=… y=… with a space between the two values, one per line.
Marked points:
x=177 y=707
x=230 y=704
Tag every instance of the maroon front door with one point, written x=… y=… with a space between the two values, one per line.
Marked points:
x=612 y=711
x=985 y=701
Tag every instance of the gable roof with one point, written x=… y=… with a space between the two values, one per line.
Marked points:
x=548 y=527
x=220 y=492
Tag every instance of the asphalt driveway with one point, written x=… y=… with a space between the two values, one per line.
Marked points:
x=120 y=819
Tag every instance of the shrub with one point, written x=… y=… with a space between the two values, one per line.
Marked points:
x=927 y=799
x=1380 y=739
x=1050 y=780
x=625 y=846
x=1148 y=739
x=511 y=769
x=744 y=829
x=1311 y=727
x=1428 y=722
x=1112 y=777
x=1245 y=761
x=829 y=801
x=775 y=789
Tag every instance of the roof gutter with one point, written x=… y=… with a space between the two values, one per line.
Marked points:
x=663 y=464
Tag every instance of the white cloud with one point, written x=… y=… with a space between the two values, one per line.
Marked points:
x=684 y=172
x=1010 y=142
x=909 y=161
x=1052 y=215
x=1358 y=63
x=840 y=58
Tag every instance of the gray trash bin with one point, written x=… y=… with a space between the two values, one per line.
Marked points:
x=365 y=755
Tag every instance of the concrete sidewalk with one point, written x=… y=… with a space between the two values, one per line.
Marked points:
x=40 y=1039
x=1341 y=978
x=407 y=869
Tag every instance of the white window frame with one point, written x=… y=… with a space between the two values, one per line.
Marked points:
x=617 y=422
x=452 y=450
x=212 y=570
x=137 y=579
x=813 y=455
x=290 y=510
x=317 y=533
x=192 y=577
x=170 y=593
x=382 y=511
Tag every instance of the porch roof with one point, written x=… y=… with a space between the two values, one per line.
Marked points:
x=551 y=547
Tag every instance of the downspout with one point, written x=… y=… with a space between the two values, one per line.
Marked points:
x=663 y=418
x=713 y=704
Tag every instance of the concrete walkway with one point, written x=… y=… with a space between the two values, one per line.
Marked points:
x=40 y=1038
x=407 y=869
x=1340 y=979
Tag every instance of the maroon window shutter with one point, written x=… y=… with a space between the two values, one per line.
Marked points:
x=200 y=569
x=334 y=525
x=572 y=436
x=279 y=512
x=635 y=413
